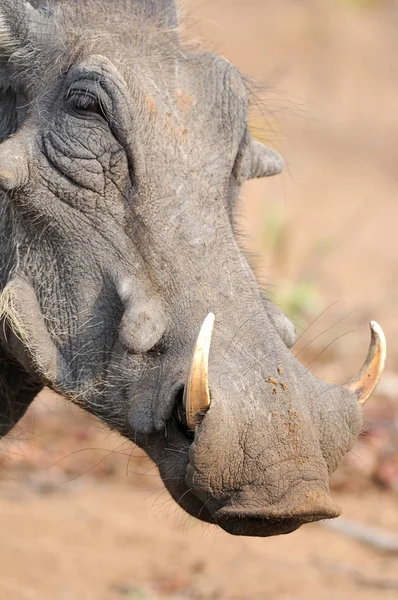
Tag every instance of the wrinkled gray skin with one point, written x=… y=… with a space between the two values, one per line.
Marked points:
x=117 y=239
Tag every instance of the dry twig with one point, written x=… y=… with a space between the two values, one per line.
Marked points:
x=377 y=538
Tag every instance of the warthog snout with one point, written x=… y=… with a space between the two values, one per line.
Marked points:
x=302 y=505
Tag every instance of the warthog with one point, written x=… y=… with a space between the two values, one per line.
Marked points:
x=121 y=159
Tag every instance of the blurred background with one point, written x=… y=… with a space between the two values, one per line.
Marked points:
x=83 y=514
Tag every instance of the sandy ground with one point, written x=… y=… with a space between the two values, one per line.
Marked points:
x=71 y=530
x=84 y=516
x=107 y=541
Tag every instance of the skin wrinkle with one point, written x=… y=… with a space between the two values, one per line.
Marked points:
x=126 y=241
x=81 y=218
x=276 y=498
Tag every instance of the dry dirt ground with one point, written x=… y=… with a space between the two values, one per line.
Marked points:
x=84 y=516
x=77 y=522
x=109 y=541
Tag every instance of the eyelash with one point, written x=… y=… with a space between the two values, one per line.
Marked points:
x=83 y=103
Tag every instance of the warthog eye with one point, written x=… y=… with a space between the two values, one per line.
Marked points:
x=84 y=103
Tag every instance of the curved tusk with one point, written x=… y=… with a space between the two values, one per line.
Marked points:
x=369 y=376
x=196 y=392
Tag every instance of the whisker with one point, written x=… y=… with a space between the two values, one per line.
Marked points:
x=325 y=331
x=314 y=321
x=311 y=363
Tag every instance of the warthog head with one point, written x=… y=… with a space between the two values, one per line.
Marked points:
x=123 y=288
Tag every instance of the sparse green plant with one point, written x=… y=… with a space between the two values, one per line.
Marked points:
x=300 y=297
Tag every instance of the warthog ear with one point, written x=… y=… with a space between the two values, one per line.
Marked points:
x=282 y=323
x=264 y=161
x=21 y=28
x=8 y=43
x=19 y=22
